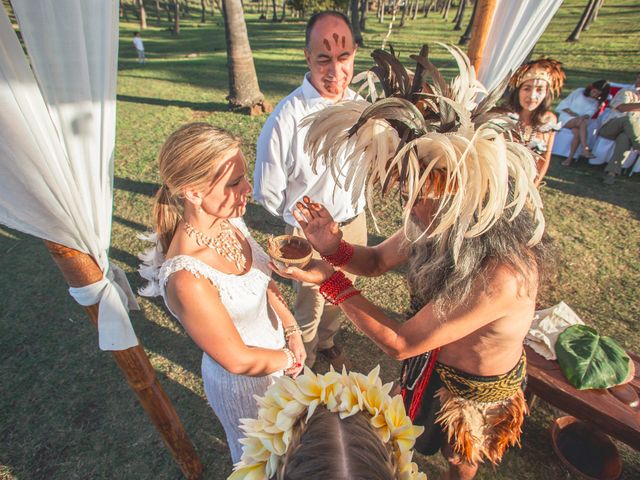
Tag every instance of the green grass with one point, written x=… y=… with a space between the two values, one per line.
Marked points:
x=66 y=411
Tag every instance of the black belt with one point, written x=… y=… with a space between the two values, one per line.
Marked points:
x=347 y=222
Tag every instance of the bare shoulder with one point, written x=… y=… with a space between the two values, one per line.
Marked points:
x=504 y=282
x=185 y=289
x=549 y=117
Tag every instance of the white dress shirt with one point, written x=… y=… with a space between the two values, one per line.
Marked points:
x=283 y=173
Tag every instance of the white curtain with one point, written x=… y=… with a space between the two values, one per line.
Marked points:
x=57 y=136
x=515 y=29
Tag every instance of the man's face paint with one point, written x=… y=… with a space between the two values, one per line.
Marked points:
x=330 y=56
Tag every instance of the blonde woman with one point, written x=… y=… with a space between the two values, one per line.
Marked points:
x=215 y=278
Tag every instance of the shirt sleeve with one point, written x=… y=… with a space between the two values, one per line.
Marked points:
x=622 y=97
x=270 y=174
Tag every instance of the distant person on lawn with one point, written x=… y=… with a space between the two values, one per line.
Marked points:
x=283 y=173
x=623 y=127
x=137 y=42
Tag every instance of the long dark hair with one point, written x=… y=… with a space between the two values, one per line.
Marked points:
x=601 y=85
x=435 y=278
x=513 y=104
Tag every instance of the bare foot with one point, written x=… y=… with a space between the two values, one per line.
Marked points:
x=567 y=162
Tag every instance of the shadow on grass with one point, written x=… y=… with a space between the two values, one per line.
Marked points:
x=584 y=180
x=136 y=186
x=199 y=106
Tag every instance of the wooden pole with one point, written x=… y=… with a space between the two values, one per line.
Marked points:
x=480 y=30
x=79 y=270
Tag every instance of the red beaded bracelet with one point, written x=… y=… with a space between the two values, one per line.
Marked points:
x=352 y=293
x=342 y=256
x=334 y=286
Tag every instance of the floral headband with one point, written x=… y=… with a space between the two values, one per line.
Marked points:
x=287 y=400
x=545 y=69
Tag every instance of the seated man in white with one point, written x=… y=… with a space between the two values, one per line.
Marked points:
x=623 y=127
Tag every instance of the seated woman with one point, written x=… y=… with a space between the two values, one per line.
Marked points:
x=533 y=87
x=576 y=110
x=332 y=426
x=214 y=277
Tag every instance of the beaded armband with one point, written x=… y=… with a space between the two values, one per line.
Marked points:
x=342 y=256
x=291 y=330
x=334 y=287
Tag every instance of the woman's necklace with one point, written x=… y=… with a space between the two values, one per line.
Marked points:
x=525 y=132
x=225 y=243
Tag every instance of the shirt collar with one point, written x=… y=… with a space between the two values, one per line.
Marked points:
x=312 y=96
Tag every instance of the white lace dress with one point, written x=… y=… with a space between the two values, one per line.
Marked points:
x=245 y=298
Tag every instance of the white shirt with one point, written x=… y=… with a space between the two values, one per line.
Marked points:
x=137 y=41
x=626 y=95
x=283 y=172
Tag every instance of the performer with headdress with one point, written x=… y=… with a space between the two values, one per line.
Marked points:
x=533 y=87
x=471 y=241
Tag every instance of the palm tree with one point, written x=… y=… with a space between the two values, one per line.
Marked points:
x=244 y=91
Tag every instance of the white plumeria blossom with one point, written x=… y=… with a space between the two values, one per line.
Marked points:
x=286 y=401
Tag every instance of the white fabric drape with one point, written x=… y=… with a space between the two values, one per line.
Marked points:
x=515 y=29
x=57 y=136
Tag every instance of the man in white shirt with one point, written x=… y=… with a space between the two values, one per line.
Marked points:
x=137 y=42
x=622 y=126
x=283 y=173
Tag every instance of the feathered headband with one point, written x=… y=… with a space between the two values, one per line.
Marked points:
x=286 y=401
x=428 y=138
x=545 y=69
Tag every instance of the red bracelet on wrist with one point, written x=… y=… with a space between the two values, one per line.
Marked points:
x=334 y=286
x=352 y=293
x=342 y=256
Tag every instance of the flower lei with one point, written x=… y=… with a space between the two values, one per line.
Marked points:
x=268 y=437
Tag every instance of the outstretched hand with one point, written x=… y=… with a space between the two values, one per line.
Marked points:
x=316 y=272
x=318 y=226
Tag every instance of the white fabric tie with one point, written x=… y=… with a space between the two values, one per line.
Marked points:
x=115 y=297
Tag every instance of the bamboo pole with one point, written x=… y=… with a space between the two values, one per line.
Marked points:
x=480 y=30
x=79 y=270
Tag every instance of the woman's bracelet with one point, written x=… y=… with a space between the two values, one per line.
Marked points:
x=342 y=256
x=291 y=359
x=291 y=330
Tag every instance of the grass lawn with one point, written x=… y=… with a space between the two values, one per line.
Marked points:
x=66 y=411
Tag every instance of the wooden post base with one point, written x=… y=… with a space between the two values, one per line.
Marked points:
x=79 y=270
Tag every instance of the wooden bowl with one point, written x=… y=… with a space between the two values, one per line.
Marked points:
x=289 y=251
x=584 y=450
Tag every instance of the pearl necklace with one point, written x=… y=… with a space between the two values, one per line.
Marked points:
x=225 y=243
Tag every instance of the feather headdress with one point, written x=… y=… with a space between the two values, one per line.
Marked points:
x=429 y=138
x=545 y=69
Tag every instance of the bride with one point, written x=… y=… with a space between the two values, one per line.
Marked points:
x=215 y=278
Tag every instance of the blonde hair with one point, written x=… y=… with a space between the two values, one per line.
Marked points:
x=190 y=157
x=328 y=447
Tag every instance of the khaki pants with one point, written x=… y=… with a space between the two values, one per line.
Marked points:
x=625 y=131
x=320 y=321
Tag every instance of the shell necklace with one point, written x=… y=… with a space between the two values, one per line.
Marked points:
x=225 y=243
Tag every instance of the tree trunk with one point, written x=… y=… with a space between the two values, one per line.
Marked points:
x=575 y=35
x=447 y=5
x=404 y=13
x=168 y=7
x=123 y=12
x=593 y=16
x=143 y=15
x=203 y=9
x=355 y=23
x=461 y=8
x=429 y=8
x=274 y=16
x=363 y=14
x=158 y=12
x=381 y=6
x=244 y=91
x=176 y=17
x=186 y=7
x=466 y=36
x=79 y=270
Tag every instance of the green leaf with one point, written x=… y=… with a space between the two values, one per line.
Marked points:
x=590 y=360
